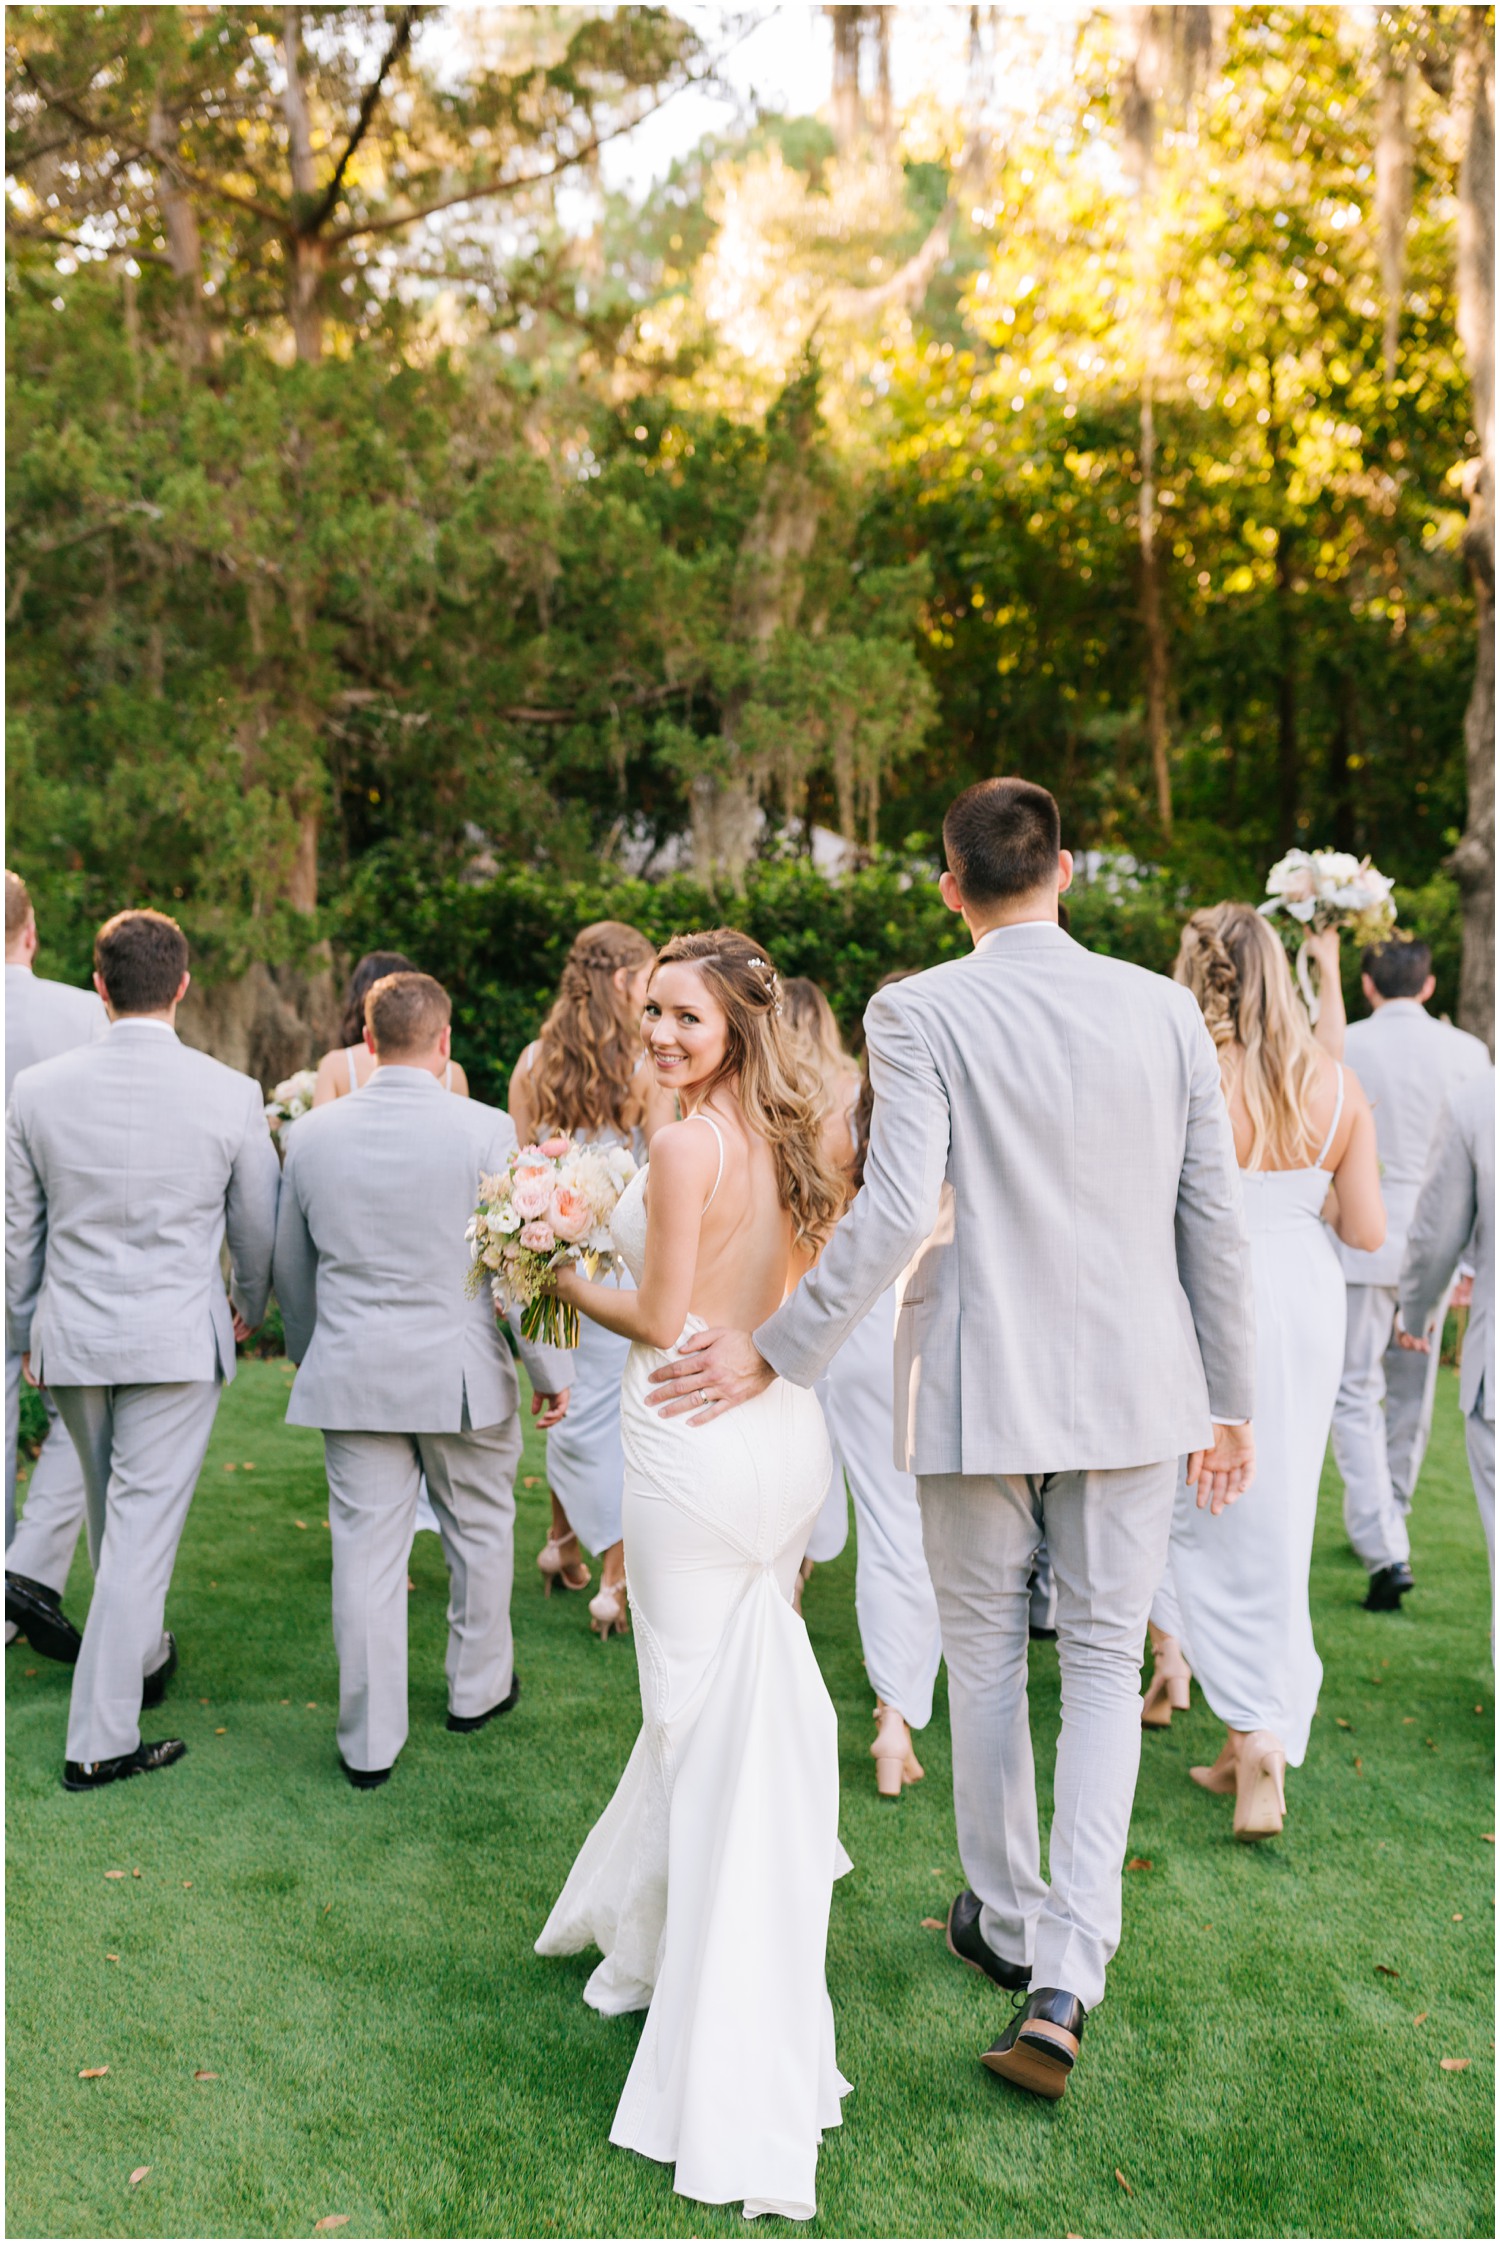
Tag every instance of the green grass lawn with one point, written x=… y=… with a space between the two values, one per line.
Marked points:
x=355 y=1971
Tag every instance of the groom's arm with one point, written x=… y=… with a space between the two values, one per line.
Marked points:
x=895 y=1212
x=1213 y=1258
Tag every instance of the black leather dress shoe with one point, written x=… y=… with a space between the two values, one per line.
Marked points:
x=477 y=1721
x=37 y=1612
x=1388 y=1587
x=154 y=1689
x=1041 y=1635
x=364 y=1780
x=87 y=1776
x=1039 y=2047
x=967 y=1942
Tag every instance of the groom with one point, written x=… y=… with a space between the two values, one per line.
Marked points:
x=1052 y=1176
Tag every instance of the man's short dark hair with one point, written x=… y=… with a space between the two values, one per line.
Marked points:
x=1398 y=969
x=140 y=957
x=1001 y=839
x=406 y=1013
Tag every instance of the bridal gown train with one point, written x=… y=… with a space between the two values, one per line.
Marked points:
x=707 y=1881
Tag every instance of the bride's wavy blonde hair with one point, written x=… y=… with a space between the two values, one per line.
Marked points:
x=588 y=1048
x=1238 y=971
x=779 y=1093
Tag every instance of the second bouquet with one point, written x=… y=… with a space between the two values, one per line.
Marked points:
x=550 y=1206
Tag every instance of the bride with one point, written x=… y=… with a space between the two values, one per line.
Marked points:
x=706 y=1882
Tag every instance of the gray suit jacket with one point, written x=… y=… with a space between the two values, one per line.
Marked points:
x=1052 y=1177
x=44 y=1018
x=128 y=1163
x=372 y=1264
x=1407 y=1062
x=1458 y=1198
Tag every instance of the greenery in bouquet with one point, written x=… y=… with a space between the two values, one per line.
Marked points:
x=290 y=1100
x=1309 y=891
x=549 y=1207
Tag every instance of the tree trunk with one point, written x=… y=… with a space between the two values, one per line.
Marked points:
x=1393 y=188
x=1288 y=776
x=1341 y=831
x=1473 y=862
x=305 y=252
x=1152 y=623
x=183 y=244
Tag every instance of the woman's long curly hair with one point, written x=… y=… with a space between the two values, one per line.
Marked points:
x=1236 y=968
x=810 y=1020
x=590 y=1047
x=780 y=1094
x=372 y=968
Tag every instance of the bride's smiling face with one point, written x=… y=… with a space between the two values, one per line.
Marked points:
x=685 y=1028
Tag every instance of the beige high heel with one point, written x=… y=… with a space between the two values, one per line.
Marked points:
x=554 y=1568
x=895 y=1762
x=1260 y=1792
x=1170 y=1688
x=609 y=1612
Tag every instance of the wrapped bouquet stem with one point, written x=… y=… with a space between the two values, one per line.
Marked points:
x=1308 y=891
x=548 y=1209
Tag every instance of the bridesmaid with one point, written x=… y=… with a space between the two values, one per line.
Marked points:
x=585 y=1077
x=351 y=1064
x=1236 y=1587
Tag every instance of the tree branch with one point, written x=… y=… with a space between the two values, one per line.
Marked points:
x=397 y=48
x=14 y=225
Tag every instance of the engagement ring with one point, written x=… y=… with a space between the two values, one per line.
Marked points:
x=704 y=1395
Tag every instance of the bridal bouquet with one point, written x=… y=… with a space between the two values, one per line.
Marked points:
x=1310 y=890
x=549 y=1207
x=290 y=1099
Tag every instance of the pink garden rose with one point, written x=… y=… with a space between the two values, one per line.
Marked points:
x=539 y=1237
x=569 y=1214
x=531 y=1193
x=555 y=1148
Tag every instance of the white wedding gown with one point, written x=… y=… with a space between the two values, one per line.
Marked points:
x=707 y=1881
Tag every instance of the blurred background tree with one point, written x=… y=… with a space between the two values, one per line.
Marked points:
x=400 y=506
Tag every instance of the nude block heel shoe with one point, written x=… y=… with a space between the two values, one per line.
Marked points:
x=1260 y=1792
x=1170 y=1690
x=895 y=1762
x=554 y=1567
x=609 y=1612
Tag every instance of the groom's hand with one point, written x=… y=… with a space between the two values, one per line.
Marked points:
x=550 y=1410
x=1222 y=1474
x=710 y=1374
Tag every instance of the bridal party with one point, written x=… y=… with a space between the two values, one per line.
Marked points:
x=1064 y=1280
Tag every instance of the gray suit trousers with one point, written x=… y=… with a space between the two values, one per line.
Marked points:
x=373 y=1483
x=1382 y=1421
x=142 y=1449
x=1479 y=1435
x=41 y=1544
x=1107 y=1536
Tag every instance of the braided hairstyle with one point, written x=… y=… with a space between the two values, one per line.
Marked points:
x=780 y=1094
x=590 y=1045
x=1236 y=968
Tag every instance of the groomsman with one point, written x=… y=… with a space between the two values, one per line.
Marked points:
x=405 y=1369
x=128 y=1163
x=1406 y=1062
x=1052 y=1178
x=42 y=1018
x=1456 y=1206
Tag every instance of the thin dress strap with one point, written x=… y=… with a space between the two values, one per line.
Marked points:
x=448 y=1077
x=353 y=1077
x=1338 y=1115
x=698 y=1116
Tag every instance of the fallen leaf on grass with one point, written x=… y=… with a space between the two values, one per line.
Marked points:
x=31 y=1671
x=139 y=2175
x=231 y=1468
x=221 y=1733
x=302 y=1523
x=1421 y=2017
x=1140 y=1862
x=330 y=2220
x=205 y=2076
x=1407 y=1721
x=135 y=1873
x=1479 y=1710
x=529 y=1481
x=109 y=1959
x=312 y=1706
x=1458 y=1916
x=1386 y=1971
x=248 y=1467
x=933 y=1924
x=1488 y=1837
x=114 y=1873
x=1125 y=2186
x=1343 y=1725
x=1454 y=2064
x=93 y=2072
x=1359 y=1767
x=187 y=1885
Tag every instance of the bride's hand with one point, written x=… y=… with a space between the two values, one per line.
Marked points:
x=569 y=1285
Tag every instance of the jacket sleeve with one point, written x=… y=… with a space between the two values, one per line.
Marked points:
x=250 y=1212
x=295 y=1264
x=25 y=1231
x=1444 y=1217
x=1213 y=1251
x=895 y=1211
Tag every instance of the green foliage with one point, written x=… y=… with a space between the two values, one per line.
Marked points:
x=33 y=1421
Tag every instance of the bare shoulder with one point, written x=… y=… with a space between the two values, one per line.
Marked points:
x=683 y=1156
x=459 y=1083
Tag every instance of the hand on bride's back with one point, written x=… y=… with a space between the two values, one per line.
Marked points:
x=719 y=1364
